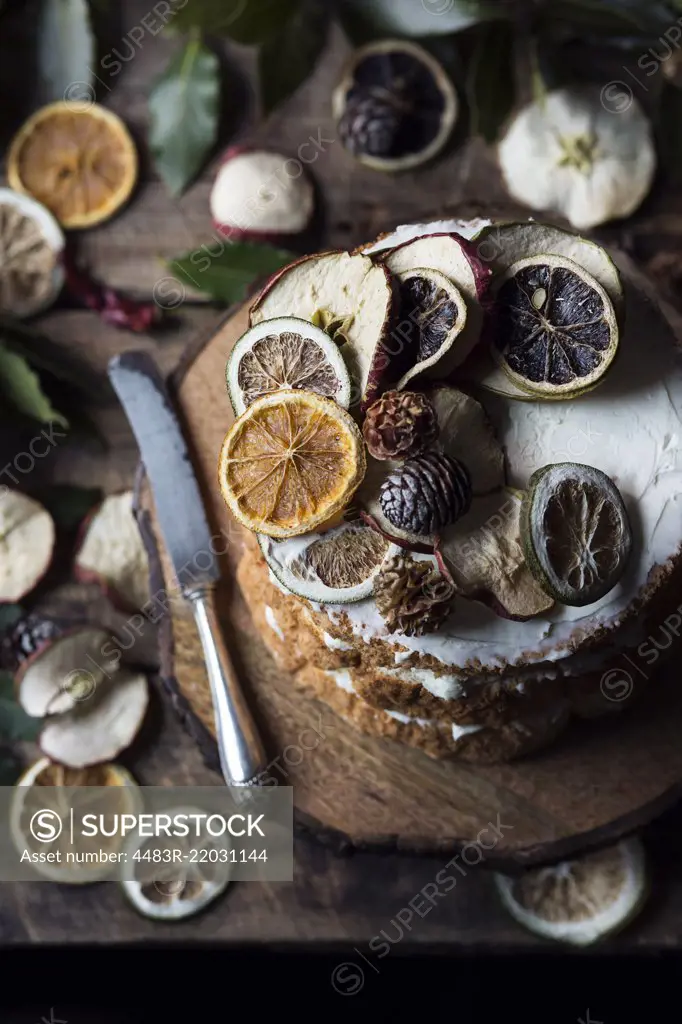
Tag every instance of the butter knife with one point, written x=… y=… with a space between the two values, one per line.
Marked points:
x=182 y=517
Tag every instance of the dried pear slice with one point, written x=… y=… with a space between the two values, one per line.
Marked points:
x=432 y=319
x=501 y=245
x=583 y=900
x=484 y=554
x=335 y=567
x=576 y=532
x=286 y=353
x=555 y=327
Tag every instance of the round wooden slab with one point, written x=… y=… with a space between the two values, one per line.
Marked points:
x=603 y=780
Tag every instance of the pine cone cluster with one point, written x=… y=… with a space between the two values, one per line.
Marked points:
x=427 y=493
x=412 y=596
x=400 y=425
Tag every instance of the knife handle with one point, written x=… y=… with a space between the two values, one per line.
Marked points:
x=242 y=754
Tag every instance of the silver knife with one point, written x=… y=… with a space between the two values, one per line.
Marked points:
x=180 y=511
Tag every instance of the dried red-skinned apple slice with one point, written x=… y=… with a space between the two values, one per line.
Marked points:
x=255 y=199
x=349 y=289
x=111 y=553
x=27 y=538
x=100 y=727
x=466 y=435
x=63 y=672
x=484 y=554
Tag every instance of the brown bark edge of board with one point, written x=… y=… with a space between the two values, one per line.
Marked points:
x=626 y=771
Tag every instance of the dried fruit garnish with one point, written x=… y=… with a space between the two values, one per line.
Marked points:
x=426 y=493
x=580 y=901
x=569 y=151
x=334 y=567
x=113 y=307
x=399 y=425
x=290 y=463
x=27 y=539
x=556 y=332
x=31 y=244
x=285 y=354
x=413 y=597
x=395 y=106
x=576 y=532
x=112 y=554
x=80 y=163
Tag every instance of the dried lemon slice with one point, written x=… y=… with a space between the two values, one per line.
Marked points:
x=169 y=879
x=47 y=786
x=286 y=353
x=290 y=463
x=338 y=566
x=579 y=901
x=575 y=531
x=556 y=330
x=79 y=163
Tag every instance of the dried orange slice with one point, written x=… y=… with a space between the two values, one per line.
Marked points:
x=290 y=463
x=79 y=163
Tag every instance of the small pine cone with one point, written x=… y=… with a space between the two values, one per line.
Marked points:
x=369 y=125
x=400 y=425
x=412 y=596
x=24 y=638
x=427 y=493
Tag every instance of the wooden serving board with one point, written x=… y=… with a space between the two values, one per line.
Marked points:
x=603 y=779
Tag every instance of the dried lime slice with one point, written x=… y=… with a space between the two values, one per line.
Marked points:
x=576 y=532
x=556 y=331
x=432 y=317
x=166 y=879
x=579 y=901
x=335 y=567
x=286 y=353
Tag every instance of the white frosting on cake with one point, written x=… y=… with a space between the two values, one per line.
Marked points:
x=334 y=644
x=272 y=622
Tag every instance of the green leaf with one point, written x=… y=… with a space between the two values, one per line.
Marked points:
x=69 y=505
x=246 y=21
x=66 y=51
x=416 y=19
x=20 y=387
x=54 y=359
x=285 y=61
x=227 y=275
x=184 y=106
x=10 y=770
x=490 y=81
x=9 y=614
x=15 y=724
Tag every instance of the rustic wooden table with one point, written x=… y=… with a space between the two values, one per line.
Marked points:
x=336 y=900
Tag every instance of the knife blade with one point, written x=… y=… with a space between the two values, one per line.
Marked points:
x=182 y=518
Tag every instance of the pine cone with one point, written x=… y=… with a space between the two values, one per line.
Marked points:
x=413 y=597
x=427 y=493
x=400 y=425
x=369 y=125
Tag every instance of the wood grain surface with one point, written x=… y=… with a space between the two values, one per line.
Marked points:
x=335 y=900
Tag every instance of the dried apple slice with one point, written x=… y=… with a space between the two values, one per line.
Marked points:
x=483 y=551
x=349 y=289
x=63 y=672
x=111 y=553
x=99 y=727
x=27 y=538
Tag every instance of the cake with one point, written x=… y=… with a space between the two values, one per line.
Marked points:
x=500 y=670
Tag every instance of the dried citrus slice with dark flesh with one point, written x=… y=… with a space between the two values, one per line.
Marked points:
x=80 y=163
x=286 y=354
x=576 y=532
x=432 y=317
x=583 y=900
x=556 y=332
x=290 y=463
x=335 y=567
